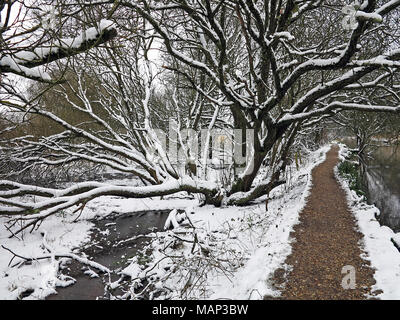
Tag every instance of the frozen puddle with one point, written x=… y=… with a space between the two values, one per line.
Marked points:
x=107 y=247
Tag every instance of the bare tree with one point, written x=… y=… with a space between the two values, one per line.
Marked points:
x=274 y=67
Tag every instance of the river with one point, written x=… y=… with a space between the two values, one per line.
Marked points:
x=382 y=185
x=104 y=249
x=382 y=180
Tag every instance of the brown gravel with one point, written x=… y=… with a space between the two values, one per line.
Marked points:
x=326 y=241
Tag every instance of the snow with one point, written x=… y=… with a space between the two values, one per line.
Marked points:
x=89 y=34
x=251 y=282
x=259 y=241
x=91 y=273
x=173 y=220
x=33 y=72
x=66 y=43
x=377 y=242
x=284 y=34
x=248 y=243
x=133 y=270
x=16 y=61
x=369 y=16
x=256 y=243
x=42 y=275
x=104 y=206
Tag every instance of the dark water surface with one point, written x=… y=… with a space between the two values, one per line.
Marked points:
x=104 y=249
x=382 y=182
x=382 y=179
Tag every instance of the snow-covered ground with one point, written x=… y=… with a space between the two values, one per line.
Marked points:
x=378 y=241
x=41 y=276
x=243 y=245
x=215 y=253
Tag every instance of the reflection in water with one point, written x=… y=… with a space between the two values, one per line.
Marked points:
x=382 y=179
x=105 y=250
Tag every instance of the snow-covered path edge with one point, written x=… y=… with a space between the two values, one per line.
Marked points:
x=377 y=240
x=267 y=247
x=247 y=243
x=253 y=281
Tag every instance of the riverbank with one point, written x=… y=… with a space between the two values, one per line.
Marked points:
x=379 y=242
x=326 y=243
x=215 y=253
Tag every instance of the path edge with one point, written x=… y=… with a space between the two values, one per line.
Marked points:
x=377 y=243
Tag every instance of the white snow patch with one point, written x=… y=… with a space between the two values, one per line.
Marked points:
x=42 y=275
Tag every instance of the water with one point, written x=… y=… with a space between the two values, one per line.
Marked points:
x=103 y=249
x=382 y=182
x=382 y=179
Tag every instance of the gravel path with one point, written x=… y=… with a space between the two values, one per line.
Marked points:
x=326 y=241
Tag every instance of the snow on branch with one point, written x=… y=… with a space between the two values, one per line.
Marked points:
x=56 y=200
x=73 y=256
x=338 y=106
x=25 y=63
x=361 y=15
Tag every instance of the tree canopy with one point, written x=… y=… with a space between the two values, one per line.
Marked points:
x=210 y=71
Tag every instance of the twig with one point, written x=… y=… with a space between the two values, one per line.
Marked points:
x=56 y=255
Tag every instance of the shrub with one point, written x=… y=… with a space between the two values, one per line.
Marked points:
x=350 y=172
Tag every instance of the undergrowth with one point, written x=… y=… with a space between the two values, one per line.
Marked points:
x=349 y=171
